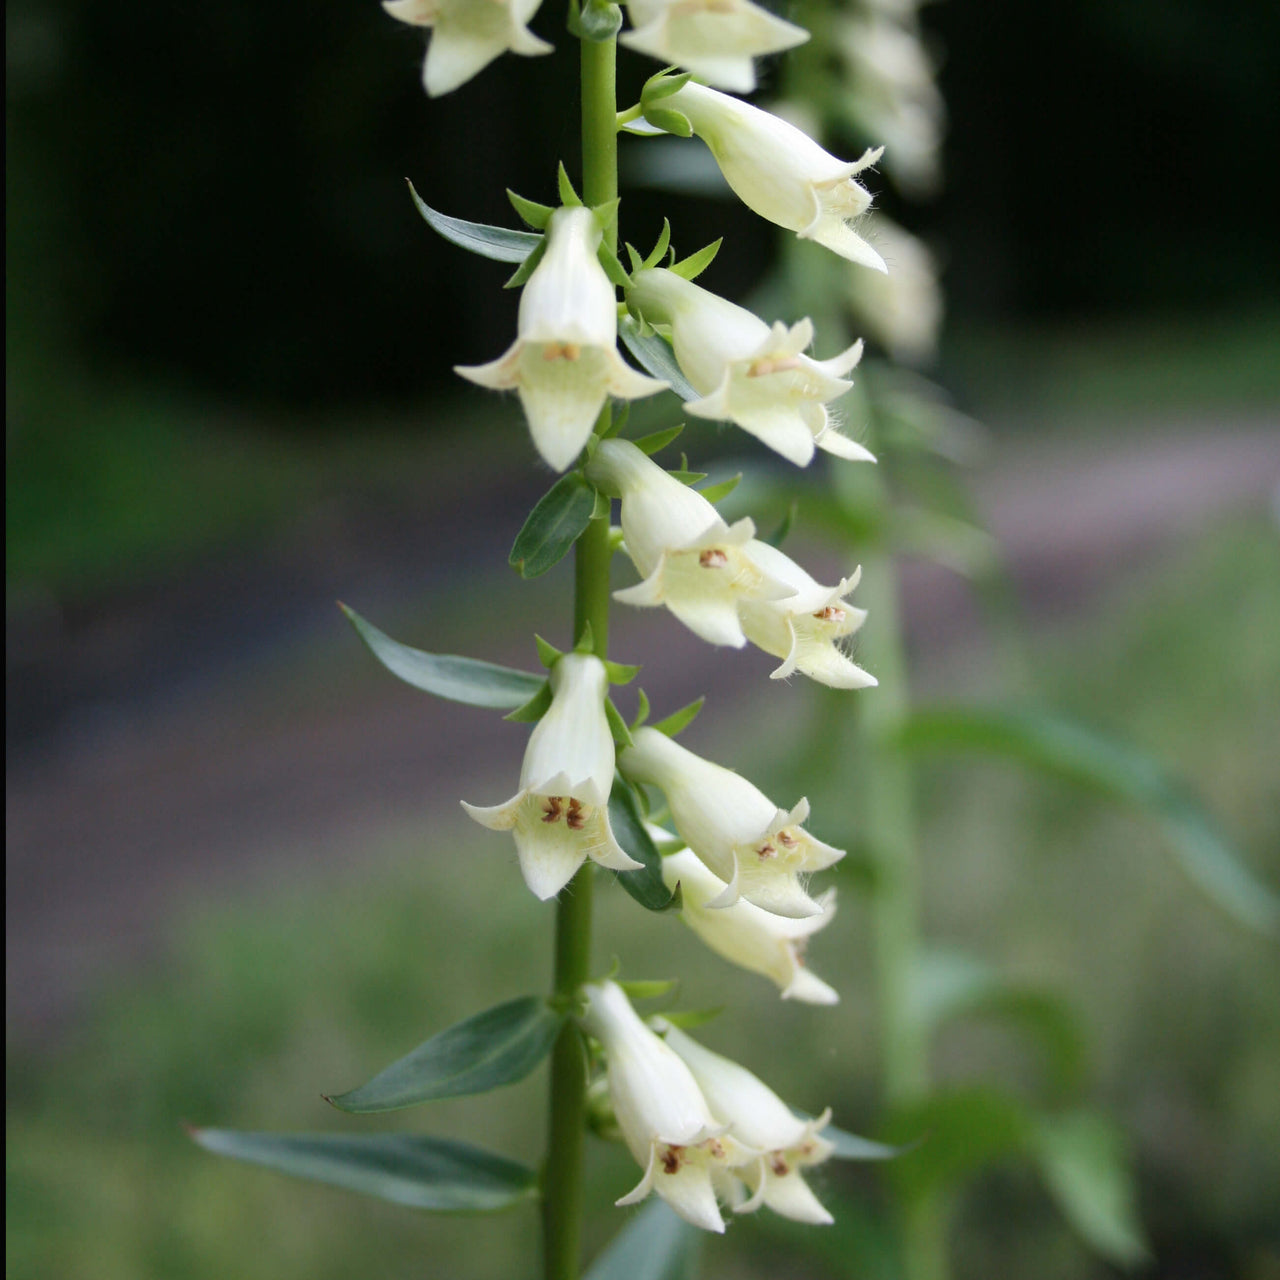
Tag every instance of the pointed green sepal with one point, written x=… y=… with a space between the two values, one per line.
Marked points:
x=601 y=509
x=636 y=260
x=568 y=196
x=687 y=1019
x=642 y=709
x=696 y=263
x=683 y=474
x=715 y=492
x=664 y=83
x=663 y=244
x=586 y=641
x=535 y=214
x=534 y=709
x=617 y=725
x=499 y=243
x=526 y=268
x=620 y=672
x=406 y=1169
x=680 y=720
x=673 y=122
x=548 y=654
x=614 y=269
x=650 y=989
x=658 y=440
x=479 y=684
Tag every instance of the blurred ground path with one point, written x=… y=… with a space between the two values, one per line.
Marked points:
x=193 y=741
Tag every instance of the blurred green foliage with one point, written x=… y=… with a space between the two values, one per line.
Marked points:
x=314 y=987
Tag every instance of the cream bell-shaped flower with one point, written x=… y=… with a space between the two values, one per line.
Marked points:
x=689 y=559
x=805 y=628
x=757 y=849
x=747 y=936
x=467 y=35
x=664 y=1119
x=564 y=362
x=560 y=815
x=758 y=1118
x=715 y=39
x=779 y=172
x=749 y=373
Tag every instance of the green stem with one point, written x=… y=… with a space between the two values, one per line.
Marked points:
x=562 y=1183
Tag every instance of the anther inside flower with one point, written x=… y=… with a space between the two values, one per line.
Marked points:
x=748 y=936
x=757 y=849
x=715 y=39
x=564 y=362
x=662 y=1114
x=560 y=815
x=690 y=560
x=748 y=372
x=781 y=173
x=806 y=628
x=759 y=1119
x=467 y=35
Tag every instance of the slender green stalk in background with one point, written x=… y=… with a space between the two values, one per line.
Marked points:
x=562 y=1204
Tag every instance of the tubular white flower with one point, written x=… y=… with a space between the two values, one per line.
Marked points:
x=779 y=172
x=757 y=849
x=564 y=362
x=747 y=936
x=805 y=628
x=664 y=1118
x=715 y=39
x=749 y=373
x=689 y=559
x=467 y=35
x=560 y=815
x=760 y=1119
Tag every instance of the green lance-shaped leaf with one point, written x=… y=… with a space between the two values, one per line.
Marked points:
x=657 y=440
x=680 y=720
x=480 y=684
x=419 y=1172
x=556 y=522
x=497 y=1047
x=654 y=1245
x=646 y=885
x=656 y=357
x=499 y=243
x=1082 y=1159
x=696 y=263
x=1072 y=751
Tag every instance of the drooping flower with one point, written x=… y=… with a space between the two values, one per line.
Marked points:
x=805 y=628
x=749 y=373
x=757 y=849
x=747 y=936
x=903 y=310
x=467 y=35
x=560 y=815
x=781 y=173
x=663 y=1116
x=564 y=362
x=688 y=558
x=715 y=39
x=758 y=1118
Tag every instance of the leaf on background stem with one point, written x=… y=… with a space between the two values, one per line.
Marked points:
x=654 y=1245
x=1070 y=750
x=1082 y=1159
x=418 y=1172
x=499 y=243
x=479 y=684
x=483 y=1052
x=645 y=886
x=556 y=522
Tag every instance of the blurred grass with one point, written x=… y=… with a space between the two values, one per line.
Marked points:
x=262 y=1006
